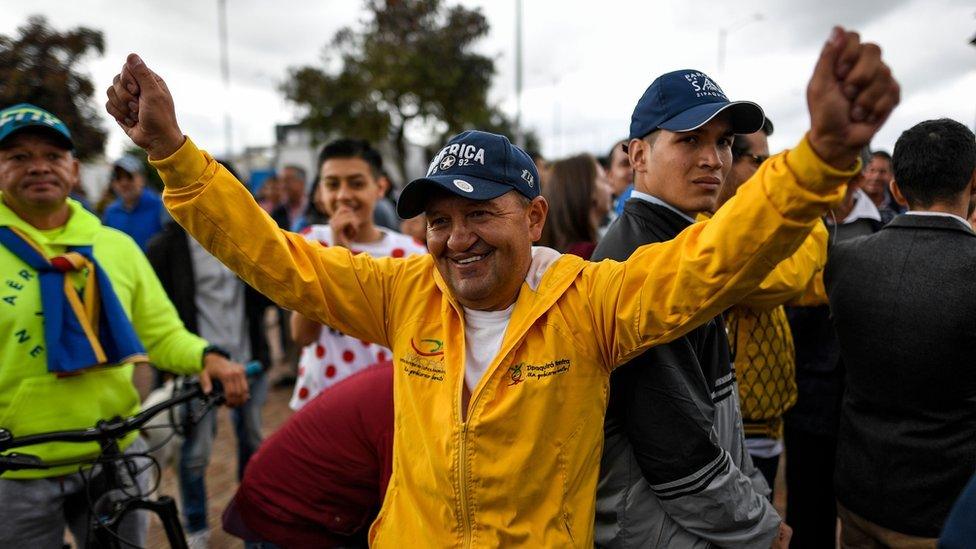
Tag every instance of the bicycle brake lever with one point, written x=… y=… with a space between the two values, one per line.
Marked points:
x=15 y=461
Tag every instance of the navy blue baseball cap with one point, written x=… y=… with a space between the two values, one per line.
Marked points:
x=685 y=100
x=476 y=165
x=24 y=115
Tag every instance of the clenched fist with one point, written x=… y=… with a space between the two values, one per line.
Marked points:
x=142 y=105
x=850 y=95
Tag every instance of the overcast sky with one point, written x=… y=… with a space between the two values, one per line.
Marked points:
x=586 y=63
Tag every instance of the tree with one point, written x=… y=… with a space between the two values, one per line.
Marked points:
x=411 y=63
x=40 y=66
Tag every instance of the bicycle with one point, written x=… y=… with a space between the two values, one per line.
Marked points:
x=117 y=500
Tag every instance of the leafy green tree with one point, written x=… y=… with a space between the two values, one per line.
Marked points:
x=40 y=66
x=411 y=62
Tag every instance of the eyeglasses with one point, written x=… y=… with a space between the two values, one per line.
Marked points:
x=756 y=159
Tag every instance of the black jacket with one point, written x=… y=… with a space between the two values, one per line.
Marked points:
x=903 y=302
x=169 y=255
x=674 y=470
x=819 y=368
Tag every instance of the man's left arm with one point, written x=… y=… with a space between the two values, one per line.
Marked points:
x=792 y=277
x=664 y=290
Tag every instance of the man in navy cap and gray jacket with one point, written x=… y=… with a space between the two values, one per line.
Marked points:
x=675 y=471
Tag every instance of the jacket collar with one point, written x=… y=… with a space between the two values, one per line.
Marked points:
x=80 y=230
x=936 y=222
x=658 y=215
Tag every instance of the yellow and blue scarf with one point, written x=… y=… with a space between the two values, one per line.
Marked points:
x=82 y=328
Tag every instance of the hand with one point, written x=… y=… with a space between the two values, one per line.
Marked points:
x=345 y=226
x=230 y=374
x=142 y=105
x=850 y=95
x=782 y=540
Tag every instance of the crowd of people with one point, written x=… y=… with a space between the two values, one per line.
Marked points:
x=613 y=352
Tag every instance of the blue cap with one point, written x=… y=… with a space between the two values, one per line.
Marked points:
x=476 y=165
x=685 y=100
x=129 y=163
x=24 y=115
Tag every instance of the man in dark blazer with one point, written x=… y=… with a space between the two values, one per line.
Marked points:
x=904 y=307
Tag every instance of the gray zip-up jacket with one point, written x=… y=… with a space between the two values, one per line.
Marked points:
x=675 y=472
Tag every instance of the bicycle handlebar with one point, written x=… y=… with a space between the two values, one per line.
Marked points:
x=106 y=429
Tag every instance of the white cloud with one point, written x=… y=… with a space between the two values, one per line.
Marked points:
x=585 y=63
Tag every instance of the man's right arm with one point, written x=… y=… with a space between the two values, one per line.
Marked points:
x=328 y=285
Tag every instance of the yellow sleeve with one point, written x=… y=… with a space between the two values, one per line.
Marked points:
x=814 y=294
x=791 y=278
x=666 y=289
x=329 y=285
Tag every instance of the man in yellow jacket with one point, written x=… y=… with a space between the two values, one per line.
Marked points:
x=502 y=352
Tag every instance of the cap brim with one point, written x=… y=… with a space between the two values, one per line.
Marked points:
x=52 y=133
x=745 y=116
x=413 y=198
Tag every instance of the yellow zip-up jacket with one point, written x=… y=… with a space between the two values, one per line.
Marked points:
x=521 y=467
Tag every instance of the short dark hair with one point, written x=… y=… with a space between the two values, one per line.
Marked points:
x=353 y=148
x=934 y=161
x=739 y=148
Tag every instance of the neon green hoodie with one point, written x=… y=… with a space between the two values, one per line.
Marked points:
x=33 y=400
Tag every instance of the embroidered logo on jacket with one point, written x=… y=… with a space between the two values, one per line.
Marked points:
x=515 y=373
x=434 y=347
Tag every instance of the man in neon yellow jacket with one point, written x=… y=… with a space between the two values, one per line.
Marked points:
x=46 y=382
x=502 y=352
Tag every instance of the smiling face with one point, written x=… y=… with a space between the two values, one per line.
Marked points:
x=36 y=174
x=349 y=183
x=483 y=249
x=684 y=169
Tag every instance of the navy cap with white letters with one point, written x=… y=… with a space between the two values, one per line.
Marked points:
x=476 y=165
x=685 y=100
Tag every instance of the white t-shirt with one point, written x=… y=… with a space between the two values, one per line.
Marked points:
x=485 y=330
x=336 y=356
x=483 y=334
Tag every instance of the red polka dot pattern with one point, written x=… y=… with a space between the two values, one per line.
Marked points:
x=319 y=351
x=398 y=252
x=330 y=371
x=348 y=356
x=303 y=393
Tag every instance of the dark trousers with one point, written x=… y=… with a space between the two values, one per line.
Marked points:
x=768 y=467
x=811 y=509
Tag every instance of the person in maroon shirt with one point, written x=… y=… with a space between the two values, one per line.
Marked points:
x=320 y=480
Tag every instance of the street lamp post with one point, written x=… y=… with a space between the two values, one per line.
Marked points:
x=519 y=134
x=723 y=36
x=224 y=72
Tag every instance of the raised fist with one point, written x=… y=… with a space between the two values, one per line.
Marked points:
x=142 y=105
x=850 y=95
